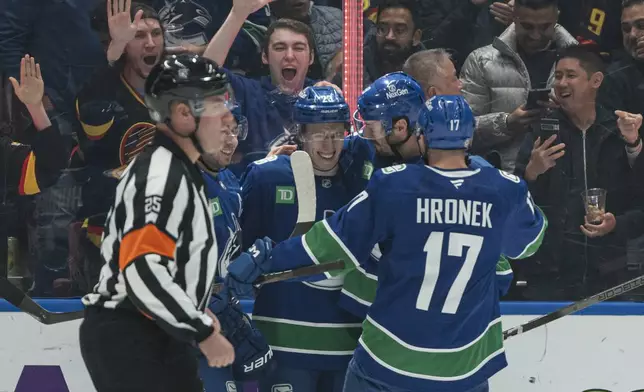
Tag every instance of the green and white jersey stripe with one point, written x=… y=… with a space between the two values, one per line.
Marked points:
x=503 y=267
x=323 y=246
x=534 y=245
x=307 y=337
x=361 y=286
x=430 y=363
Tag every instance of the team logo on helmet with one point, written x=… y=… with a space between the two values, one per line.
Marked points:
x=395 y=92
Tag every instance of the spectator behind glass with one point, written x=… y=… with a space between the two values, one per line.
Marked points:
x=497 y=78
x=267 y=103
x=397 y=37
x=454 y=25
x=58 y=34
x=624 y=85
x=326 y=23
x=190 y=24
x=115 y=123
x=594 y=23
x=27 y=169
x=583 y=147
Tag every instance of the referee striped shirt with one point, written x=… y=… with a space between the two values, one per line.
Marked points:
x=159 y=246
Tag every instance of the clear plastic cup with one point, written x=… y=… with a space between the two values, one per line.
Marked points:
x=594 y=204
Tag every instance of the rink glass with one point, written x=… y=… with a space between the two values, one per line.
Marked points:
x=594 y=204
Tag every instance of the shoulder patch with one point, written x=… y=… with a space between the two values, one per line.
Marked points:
x=266 y=160
x=367 y=170
x=510 y=177
x=394 y=169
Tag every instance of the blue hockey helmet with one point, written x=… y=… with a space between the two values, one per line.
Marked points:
x=320 y=104
x=392 y=96
x=447 y=122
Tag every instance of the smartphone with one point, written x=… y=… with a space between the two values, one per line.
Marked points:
x=537 y=95
x=547 y=128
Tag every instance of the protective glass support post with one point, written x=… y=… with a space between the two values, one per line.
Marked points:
x=352 y=46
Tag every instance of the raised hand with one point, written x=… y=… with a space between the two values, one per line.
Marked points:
x=31 y=88
x=543 y=157
x=122 y=28
x=247 y=7
x=629 y=125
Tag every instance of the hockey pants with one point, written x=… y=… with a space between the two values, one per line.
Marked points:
x=286 y=379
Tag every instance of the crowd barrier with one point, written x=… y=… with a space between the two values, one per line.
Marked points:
x=597 y=350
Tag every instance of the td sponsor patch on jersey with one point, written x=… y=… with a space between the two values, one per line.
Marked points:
x=367 y=170
x=215 y=207
x=282 y=388
x=285 y=195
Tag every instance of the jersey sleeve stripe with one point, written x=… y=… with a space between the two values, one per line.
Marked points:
x=28 y=182
x=534 y=245
x=324 y=246
x=146 y=240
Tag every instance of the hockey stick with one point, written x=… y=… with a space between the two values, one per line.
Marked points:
x=575 y=307
x=305 y=189
x=293 y=273
x=22 y=301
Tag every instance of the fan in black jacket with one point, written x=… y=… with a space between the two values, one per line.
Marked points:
x=27 y=169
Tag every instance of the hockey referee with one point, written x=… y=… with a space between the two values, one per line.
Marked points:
x=159 y=245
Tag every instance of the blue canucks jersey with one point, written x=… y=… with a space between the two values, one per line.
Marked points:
x=223 y=193
x=301 y=321
x=361 y=284
x=435 y=323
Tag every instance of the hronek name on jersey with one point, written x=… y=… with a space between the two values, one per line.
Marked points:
x=452 y=211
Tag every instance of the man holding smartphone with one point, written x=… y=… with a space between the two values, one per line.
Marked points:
x=497 y=78
x=581 y=146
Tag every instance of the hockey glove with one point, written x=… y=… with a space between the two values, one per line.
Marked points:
x=251 y=264
x=252 y=353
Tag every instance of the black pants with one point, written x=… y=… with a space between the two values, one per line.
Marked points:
x=125 y=352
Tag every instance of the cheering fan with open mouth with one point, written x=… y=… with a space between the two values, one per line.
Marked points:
x=115 y=121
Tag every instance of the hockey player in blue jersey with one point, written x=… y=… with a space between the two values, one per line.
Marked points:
x=435 y=323
x=312 y=338
x=252 y=353
x=390 y=109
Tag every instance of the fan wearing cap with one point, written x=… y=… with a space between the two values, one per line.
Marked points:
x=160 y=251
x=314 y=355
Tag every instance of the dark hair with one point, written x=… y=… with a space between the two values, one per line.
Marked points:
x=409 y=5
x=292 y=25
x=537 y=4
x=589 y=59
x=630 y=3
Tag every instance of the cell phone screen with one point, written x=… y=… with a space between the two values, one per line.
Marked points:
x=537 y=95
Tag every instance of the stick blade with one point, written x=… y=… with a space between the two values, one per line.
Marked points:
x=305 y=190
